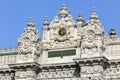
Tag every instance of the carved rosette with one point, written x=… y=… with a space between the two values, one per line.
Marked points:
x=24 y=46
x=90 y=37
x=90 y=40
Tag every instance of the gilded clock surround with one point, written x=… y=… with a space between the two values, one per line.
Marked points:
x=62 y=31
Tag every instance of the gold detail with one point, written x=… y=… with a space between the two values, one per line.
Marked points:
x=26 y=44
x=62 y=31
x=91 y=37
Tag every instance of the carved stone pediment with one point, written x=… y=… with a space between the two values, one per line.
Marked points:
x=29 y=41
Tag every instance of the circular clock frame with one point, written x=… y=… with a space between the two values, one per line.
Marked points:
x=62 y=31
x=90 y=37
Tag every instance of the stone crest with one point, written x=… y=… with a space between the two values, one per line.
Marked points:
x=29 y=41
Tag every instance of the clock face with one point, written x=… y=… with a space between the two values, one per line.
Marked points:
x=62 y=31
x=91 y=37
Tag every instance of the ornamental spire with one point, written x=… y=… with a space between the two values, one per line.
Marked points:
x=80 y=18
x=63 y=11
x=31 y=23
x=94 y=14
x=46 y=21
x=112 y=31
x=56 y=19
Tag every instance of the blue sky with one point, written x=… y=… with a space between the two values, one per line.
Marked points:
x=14 y=15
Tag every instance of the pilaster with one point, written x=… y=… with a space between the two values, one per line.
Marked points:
x=91 y=68
x=25 y=71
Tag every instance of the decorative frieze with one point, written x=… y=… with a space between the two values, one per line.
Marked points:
x=6 y=76
x=92 y=69
x=25 y=73
x=57 y=73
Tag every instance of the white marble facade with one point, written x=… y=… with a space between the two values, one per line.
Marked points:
x=69 y=50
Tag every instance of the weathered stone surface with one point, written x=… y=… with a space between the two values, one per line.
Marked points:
x=67 y=51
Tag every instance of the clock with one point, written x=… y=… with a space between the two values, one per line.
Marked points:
x=62 y=31
x=91 y=37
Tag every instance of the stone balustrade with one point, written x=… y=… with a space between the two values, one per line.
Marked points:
x=10 y=50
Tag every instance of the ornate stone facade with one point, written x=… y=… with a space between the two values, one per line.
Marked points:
x=69 y=50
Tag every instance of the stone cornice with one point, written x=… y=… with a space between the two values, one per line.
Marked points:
x=6 y=70
x=90 y=59
x=30 y=64
x=57 y=65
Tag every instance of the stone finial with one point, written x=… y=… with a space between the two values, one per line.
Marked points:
x=31 y=23
x=56 y=19
x=93 y=14
x=112 y=32
x=80 y=18
x=46 y=21
x=63 y=11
